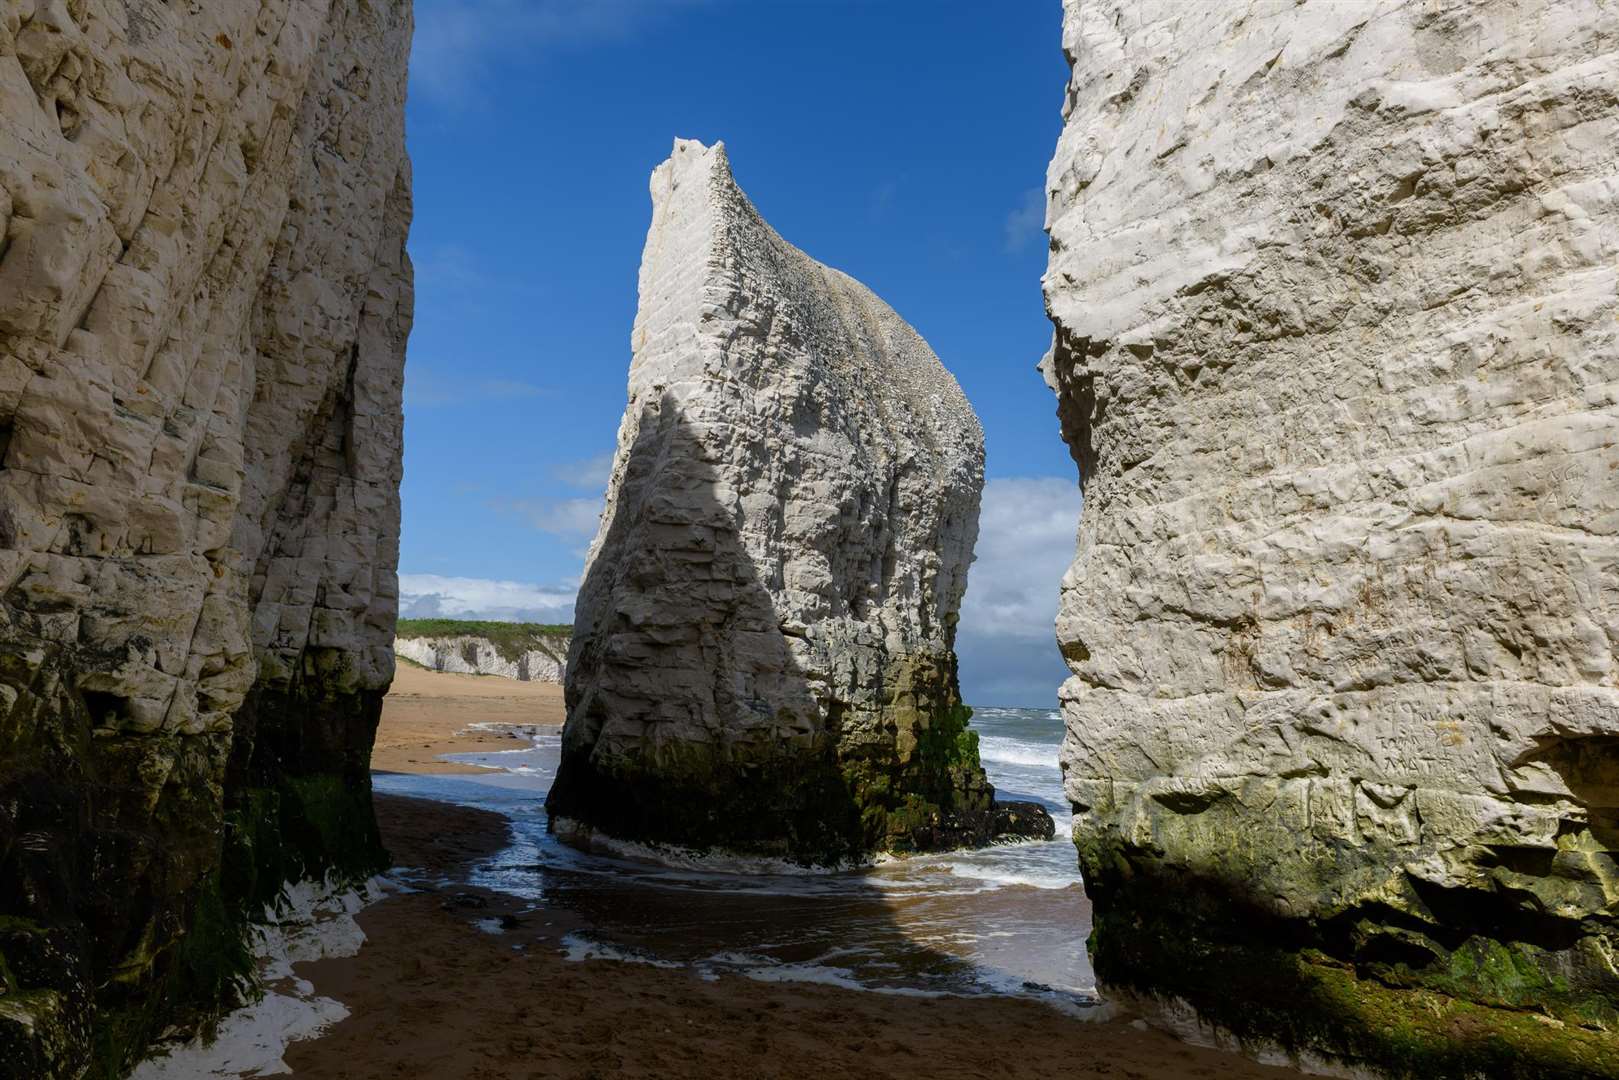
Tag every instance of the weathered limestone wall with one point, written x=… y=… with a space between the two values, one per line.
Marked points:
x=1337 y=353
x=204 y=300
x=762 y=654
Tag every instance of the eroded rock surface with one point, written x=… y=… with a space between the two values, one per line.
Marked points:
x=762 y=655
x=1337 y=353
x=204 y=299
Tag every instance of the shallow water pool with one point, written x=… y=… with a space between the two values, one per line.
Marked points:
x=1010 y=919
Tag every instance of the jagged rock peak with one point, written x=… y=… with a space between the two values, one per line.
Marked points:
x=1336 y=348
x=762 y=654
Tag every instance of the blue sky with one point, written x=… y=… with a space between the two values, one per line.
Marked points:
x=902 y=142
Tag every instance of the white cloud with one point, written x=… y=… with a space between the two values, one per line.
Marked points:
x=1005 y=641
x=1025 y=224
x=423 y=596
x=567 y=518
x=1026 y=534
x=591 y=472
x=457 y=40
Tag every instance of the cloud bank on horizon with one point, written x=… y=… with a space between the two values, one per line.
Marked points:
x=1005 y=640
x=435 y=596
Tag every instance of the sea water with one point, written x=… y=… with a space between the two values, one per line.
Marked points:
x=1010 y=919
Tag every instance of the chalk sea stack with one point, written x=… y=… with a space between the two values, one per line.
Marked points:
x=204 y=300
x=1336 y=350
x=762 y=654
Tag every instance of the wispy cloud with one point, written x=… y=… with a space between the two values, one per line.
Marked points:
x=425 y=596
x=1025 y=224
x=1006 y=641
x=591 y=472
x=571 y=519
x=453 y=272
x=428 y=387
x=458 y=41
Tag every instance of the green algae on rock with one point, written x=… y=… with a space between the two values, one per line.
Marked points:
x=1342 y=735
x=762 y=654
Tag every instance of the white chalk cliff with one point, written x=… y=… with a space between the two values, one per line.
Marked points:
x=1337 y=354
x=762 y=653
x=469 y=655
x=204 y=299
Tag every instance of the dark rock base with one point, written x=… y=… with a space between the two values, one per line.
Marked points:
x=1336 y=989
x=132 y=864
x=816 y=809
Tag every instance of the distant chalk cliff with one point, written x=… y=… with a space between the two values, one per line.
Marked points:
x=530 y=652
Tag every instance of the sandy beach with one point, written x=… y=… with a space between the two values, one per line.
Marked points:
x=429 y=713
x=461 y=982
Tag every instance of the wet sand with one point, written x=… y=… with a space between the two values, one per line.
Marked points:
x=435 y=993
x=428 y=713
x=431 y=994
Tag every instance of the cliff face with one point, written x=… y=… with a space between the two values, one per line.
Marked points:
x=762 y=657
x=204 y=300
x=1336 y=352
x=540 y=659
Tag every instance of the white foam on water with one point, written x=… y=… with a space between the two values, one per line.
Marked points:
x=576 y=949
x=311 y=921
x=718 y=863
x=1005 y=751
x=1004 y=877
x=824 y=975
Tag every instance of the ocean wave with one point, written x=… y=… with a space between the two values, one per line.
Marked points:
x=1005 y=876
x=1005 y=751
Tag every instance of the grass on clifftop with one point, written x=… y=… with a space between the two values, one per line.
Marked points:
x=510 y=639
